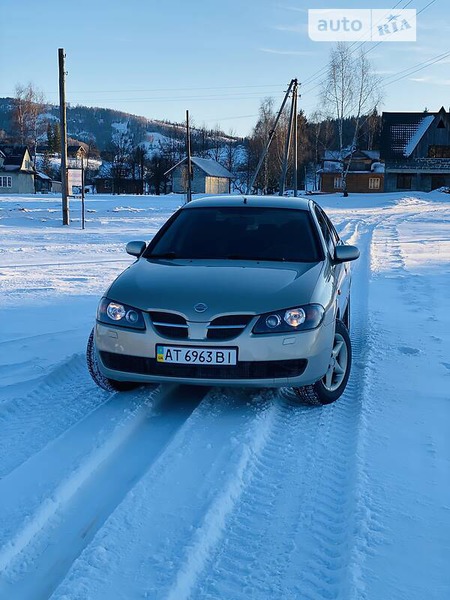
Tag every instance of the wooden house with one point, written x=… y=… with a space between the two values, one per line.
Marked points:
x=416 y=150
x=42 y=182
x=76 y=150
x=365 y=174
x=208 y=177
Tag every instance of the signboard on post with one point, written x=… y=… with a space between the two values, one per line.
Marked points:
x=74 y=182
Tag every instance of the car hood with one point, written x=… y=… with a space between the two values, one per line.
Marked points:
x=178 y=285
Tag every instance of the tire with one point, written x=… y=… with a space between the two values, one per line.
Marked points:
x=333 y=383
x=110 y=385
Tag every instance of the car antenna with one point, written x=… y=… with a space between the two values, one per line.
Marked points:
x=245 y=200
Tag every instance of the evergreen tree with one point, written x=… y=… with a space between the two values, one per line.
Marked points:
x=57 y=137
x=46 y=165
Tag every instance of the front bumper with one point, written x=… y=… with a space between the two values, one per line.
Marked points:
x=279 y=360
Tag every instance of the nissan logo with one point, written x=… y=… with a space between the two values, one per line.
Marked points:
x=200 y=307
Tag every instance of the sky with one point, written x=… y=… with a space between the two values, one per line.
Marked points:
x=217 y=59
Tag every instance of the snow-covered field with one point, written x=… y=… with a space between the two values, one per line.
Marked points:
x=223 y=494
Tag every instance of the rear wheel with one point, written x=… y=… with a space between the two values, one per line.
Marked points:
x=110 y=385
x=333 y=383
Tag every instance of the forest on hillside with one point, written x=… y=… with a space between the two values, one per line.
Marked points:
x=124 y=146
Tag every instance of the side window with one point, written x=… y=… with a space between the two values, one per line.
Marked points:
x=326 y=231
x=334 y=233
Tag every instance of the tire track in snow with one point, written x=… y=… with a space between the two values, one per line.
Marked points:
x=43 y=548
x=326 y=536
x=369 y=527
x=161 y=536
x=214 y=521
x=30 y=422
x=372 y=530
x=290 y=533
x=243 y=566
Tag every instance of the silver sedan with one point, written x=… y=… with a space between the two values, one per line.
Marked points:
x=245 y=291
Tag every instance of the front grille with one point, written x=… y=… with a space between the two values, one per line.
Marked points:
x=170 y=325
x=228 y=327
x=274 y=369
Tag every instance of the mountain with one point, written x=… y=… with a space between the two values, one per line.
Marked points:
x=101 y=125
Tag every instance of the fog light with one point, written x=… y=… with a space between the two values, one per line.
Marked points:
x=273 y=321
x=132 y=316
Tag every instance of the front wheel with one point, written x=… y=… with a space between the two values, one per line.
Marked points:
x=110 y=385
x=333 y=383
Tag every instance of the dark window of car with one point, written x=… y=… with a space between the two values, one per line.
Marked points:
x=329 y=232
x=333 y=232
x=234 y=232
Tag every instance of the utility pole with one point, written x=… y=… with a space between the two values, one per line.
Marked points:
x=189 y=161
x=82 y=192
x=269 y=141
x=287 y=143
x=63 y=124
x=295 y=92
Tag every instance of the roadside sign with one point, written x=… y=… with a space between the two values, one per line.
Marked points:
x=74 y=182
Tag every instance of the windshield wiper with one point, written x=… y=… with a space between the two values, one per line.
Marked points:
x=259 y=258
x=163 y=255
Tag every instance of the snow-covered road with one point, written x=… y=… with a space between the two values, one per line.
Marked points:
x=224 y=494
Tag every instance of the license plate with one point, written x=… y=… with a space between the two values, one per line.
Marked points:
x=190 y=355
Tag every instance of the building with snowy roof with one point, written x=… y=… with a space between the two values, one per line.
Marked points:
x=208 y=177
x=365 y=173
x=416 y=150
x=16 y=170
x=42 y=182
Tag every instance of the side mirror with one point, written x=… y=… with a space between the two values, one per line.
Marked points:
x=136 y=248
x=345 y=253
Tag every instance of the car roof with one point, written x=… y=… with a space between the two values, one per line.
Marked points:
x=255 y=201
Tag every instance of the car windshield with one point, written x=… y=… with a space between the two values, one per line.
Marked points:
x=238 y=233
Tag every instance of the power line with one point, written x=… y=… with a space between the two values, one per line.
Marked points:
x=437 y=59
x=424 y=62
x=425 y=7
x=181 y=98
x=175 y=89
x=228 y=118
x=322 y=71
x=412 y=69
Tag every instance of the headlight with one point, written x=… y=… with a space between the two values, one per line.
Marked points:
x=114 y=313
x=295 y=317
x=290 y=320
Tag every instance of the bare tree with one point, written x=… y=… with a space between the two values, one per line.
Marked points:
x=216 y=150
x=122 y=147
x=137 y=160
x=322 y=137
x=231 y=150
x=268 y=176
x=373 y=129
x=92 y=152
x=351 y=89
x=29 y=105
